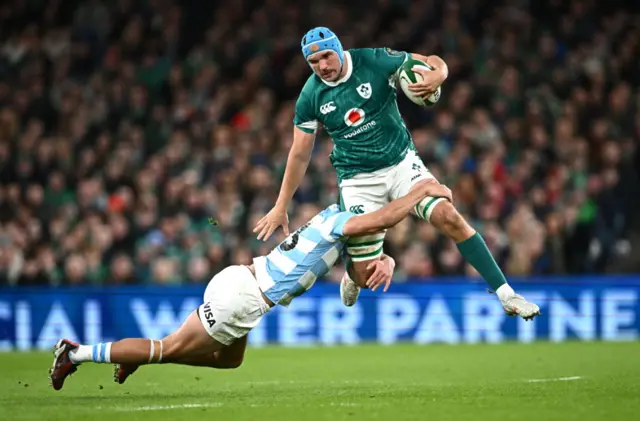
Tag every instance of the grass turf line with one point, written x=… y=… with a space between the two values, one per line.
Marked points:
x=371 y=382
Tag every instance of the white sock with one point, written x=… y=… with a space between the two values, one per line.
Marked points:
x=505 y=292
x=99 y=353
x=81 y=354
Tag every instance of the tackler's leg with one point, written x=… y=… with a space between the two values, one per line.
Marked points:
x=229 y=357
x=190 y=340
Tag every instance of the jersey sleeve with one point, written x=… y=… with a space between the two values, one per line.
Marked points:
x=389 y=60
x=338 y=223
x=305 y=118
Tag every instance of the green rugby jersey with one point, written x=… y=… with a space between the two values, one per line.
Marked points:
x=359 y=112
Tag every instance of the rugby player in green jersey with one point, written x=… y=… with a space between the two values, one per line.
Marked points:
x=353 y=95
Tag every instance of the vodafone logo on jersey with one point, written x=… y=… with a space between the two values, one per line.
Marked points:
x=354 y=117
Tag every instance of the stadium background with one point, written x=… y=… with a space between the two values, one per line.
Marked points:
x=126 y=125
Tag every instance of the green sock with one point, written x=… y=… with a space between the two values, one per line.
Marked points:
x=475 y=251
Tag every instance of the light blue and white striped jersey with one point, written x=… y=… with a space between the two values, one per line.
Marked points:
x=307 y=254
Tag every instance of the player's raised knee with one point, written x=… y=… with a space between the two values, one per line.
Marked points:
x=446 y=218
x=446 y=215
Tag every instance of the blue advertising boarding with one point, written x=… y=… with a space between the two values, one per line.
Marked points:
x=455 y=310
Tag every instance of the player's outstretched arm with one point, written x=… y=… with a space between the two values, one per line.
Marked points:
x=297 y=163
x=395 y=211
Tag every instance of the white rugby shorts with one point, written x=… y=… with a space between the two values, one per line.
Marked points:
x=368 y=192
x=233 y=304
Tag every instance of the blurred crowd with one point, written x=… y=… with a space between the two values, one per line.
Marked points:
x=140 y=141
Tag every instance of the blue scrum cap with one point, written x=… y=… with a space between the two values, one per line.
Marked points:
x=321 y=39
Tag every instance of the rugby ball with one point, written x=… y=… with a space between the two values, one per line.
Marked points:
x=406 y=77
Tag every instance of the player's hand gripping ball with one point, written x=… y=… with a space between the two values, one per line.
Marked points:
x=407 y=76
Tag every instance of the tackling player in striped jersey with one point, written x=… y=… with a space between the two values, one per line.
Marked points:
x=352 y=94
x=215 y=335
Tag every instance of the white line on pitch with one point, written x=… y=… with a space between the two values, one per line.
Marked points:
x=217 y=405
x=557 y=379
x=167 y=407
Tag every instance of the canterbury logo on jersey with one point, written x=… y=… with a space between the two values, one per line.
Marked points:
x=328 y=107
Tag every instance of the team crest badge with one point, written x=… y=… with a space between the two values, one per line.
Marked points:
x=364 y=90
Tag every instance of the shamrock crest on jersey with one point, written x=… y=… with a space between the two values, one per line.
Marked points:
x=364 y=90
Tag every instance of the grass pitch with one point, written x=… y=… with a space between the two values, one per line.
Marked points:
x=543 y=381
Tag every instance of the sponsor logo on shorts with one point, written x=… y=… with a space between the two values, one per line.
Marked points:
x=208 y=315
x=418 y=168
x=357 y=209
